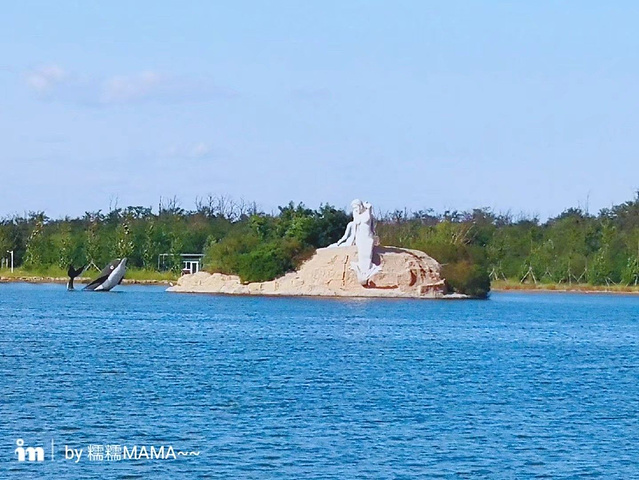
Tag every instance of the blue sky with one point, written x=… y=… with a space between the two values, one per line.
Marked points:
x=522 y=106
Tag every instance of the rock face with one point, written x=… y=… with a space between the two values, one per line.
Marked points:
x=404 y=273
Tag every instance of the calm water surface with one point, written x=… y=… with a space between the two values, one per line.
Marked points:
x=520 y=386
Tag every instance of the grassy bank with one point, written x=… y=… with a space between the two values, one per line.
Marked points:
x=56 y=274
x=140 y=274
x=514 y=285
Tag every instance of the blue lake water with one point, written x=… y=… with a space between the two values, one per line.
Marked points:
x=519 y=386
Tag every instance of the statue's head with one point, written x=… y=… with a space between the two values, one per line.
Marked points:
x=357 y=205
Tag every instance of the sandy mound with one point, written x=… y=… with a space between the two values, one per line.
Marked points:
x=405 y=273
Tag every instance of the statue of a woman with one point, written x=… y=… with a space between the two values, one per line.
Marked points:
x=348 y=238
x=361 y=233
x=364 y=224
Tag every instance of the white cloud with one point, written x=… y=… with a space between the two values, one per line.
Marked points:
x=46 y=78
x=191 y=150
x=128 y=88
x=54 y=83
x=200 y=150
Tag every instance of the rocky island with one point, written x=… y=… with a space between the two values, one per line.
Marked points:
x=403 y=273
x=355 y=266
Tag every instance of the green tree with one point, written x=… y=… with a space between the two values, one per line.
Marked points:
x=63 y=245
x=37 y=247
x=150 y=249
x=123 y=241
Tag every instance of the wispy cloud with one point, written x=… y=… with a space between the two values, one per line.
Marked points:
x=52 y=82
x=196 y=150
x=128 y=88
x=46 y=79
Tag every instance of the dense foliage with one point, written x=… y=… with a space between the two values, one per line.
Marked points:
x=264 y=247
x=39 y=242
x=473 y=247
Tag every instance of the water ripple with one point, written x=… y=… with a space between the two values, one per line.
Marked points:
x=520 y=386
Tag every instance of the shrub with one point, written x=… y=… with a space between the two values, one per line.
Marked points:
x=467 y=278
x=254 y=260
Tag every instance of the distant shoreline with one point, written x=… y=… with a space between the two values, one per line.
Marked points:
x=499 y=286
x=506 y=286
x=81 y=281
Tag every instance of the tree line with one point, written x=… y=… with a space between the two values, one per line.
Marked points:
x=473 y=246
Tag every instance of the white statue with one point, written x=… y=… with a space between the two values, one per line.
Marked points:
x=361 y=232
x=348 y=238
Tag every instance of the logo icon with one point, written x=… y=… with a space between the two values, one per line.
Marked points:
x=35 y=454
